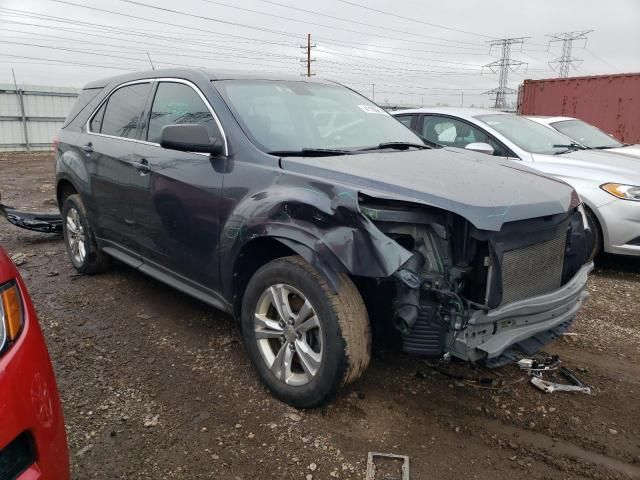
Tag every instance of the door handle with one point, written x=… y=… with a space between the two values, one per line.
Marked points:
x=142 y=166
x=88 y=148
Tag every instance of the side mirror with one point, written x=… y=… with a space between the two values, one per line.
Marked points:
x=190 y=138
x=480 y=147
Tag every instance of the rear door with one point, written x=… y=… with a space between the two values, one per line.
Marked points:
x=176 y=198
x=109 y=145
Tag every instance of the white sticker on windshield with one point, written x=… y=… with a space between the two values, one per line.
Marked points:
x=372 y=109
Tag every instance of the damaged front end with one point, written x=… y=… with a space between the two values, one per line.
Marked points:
x=482 y=295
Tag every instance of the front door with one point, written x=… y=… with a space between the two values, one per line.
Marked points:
x=176 y=195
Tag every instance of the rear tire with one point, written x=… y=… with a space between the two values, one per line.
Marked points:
x=316 y=342
x=83 y=250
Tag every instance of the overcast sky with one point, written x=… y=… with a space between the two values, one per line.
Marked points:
x=411 y=52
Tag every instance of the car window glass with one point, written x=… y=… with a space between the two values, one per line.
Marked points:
x=96 y=121
x=296 y=115
x=177 y=103
x=124 y=109
x=456 y=133
x=405 y=119
x=586 y=134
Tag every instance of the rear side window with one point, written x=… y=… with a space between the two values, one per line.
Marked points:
x=177 y=103
x=123 y=111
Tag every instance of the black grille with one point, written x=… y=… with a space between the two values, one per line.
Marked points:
x=533 y=270
x=16 y=457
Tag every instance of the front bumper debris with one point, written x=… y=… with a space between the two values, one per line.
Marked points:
x=526 y=324
x=39 y=222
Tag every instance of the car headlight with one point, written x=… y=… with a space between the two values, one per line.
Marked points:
x=11 y=318
x=625 y=192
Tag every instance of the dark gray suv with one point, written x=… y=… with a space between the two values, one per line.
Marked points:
x=315 y=218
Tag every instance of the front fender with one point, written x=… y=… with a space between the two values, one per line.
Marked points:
x=325 y=227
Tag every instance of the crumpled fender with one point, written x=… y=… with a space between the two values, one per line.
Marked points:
x=323 y=226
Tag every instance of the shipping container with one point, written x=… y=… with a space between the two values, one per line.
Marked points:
x=610 y=102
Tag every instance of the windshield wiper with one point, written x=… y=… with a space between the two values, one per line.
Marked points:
x=570 y=147
x=396 y=146
x=310 y=152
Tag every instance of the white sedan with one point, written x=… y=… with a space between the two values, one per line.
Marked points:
x=586 y=134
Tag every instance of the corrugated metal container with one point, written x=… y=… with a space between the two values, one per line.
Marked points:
x=610 y=102
x=45 y=109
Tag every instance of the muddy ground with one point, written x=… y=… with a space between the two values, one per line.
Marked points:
x=156 y=385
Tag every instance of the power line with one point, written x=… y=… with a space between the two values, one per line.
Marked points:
x=413 y=19
x=332 y=27
x=503 y=67
x=565 y=61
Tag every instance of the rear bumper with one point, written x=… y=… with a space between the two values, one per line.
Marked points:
x=29 y=402
x=489 y=334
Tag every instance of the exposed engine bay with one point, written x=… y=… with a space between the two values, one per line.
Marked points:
x=482 y=295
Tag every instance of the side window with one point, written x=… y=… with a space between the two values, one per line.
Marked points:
x=405 y=119
x=456 y=133
x=124 y=109
x=177 y=103
x=96 y=122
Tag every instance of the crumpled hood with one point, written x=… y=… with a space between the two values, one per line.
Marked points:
x=485 y=190
x=597 y=165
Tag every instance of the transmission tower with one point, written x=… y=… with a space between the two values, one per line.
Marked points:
x=564 y=62
x=307 y=59
x=502 y=67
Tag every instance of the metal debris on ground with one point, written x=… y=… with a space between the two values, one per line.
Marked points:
x=387 y=466
x=536 y=369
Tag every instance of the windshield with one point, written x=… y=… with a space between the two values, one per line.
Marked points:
x=586 y=134
x=296 y=115
x=527 y=134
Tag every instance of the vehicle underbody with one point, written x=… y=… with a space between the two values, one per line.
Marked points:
x=482 y=295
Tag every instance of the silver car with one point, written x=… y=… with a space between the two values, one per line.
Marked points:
x=587 y=135
x=608 y=183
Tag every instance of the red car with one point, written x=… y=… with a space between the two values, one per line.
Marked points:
x=33 y=443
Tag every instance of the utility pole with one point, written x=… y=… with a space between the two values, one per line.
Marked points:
x=502 y=67
x=308 y=58
x=565 y=61
x=462 y=99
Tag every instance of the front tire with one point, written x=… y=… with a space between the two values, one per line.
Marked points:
x=596 y=234
x=83 y=250
x=305 y=341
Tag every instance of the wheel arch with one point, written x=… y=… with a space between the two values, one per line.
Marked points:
x=260 y=250
x=64 y=188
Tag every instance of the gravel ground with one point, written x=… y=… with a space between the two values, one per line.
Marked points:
x=156 y=385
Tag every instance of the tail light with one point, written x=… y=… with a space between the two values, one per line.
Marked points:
x=55 y=143
x=11 y=315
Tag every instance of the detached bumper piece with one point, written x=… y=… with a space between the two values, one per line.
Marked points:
x=17 y=457
x=38 y=222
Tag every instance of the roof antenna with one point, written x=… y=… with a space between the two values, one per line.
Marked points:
x=149 y=57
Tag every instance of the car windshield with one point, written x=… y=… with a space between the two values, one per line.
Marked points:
x=282 y=116
x=586 y=134
x=527 y=134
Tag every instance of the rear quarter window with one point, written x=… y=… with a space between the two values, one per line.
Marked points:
x=85 y=97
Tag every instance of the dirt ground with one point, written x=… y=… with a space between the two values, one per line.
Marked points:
x=156 y=385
